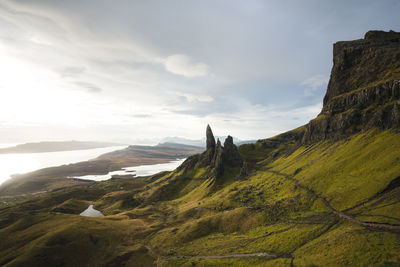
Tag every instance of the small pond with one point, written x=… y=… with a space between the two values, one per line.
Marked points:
x=91 y=212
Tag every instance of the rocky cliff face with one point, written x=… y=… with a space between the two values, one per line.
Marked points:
x=363 y=90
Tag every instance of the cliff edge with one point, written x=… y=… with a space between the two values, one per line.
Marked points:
x=364 y=88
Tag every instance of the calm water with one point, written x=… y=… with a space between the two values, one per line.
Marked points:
x=91 y=212
x=142 y=170
x=27 y=162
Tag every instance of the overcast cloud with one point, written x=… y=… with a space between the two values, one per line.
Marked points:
x=134 y=71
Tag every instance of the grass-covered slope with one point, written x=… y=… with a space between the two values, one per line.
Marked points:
x=270 y=213
x=278 y=215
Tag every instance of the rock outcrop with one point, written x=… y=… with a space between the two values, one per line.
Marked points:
x=244 y=171
x=231 y=153
x=216 y=158
x=363 y=90
x=217 y=164
x=208 y=155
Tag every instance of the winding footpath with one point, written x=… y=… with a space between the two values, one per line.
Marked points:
x=337 y=212
x=204 y=257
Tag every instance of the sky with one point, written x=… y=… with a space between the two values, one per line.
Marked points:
x=137 y=71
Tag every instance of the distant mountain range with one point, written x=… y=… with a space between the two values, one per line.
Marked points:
x=201 y=142
x=54 y=146
x=136 y=155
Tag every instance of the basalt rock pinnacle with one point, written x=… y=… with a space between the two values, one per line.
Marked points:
x=217 y=164
x=232 y=156
x=216 y=157
x=210 y=143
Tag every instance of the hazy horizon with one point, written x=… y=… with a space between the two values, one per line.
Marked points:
x=148 y=142
x=136 y=72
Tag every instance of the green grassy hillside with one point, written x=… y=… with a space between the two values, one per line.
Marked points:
x=288 y=210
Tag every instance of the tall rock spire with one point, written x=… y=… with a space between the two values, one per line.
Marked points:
x=231 y=153
x=218 y=161
x=210 y=138
x=217 y=158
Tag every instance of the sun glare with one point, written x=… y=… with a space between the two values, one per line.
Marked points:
x=34 y=95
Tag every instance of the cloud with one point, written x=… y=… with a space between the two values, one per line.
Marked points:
x=218 y=105
x=307 y=111
x=91 y=88
x=71 y=71
x=314 y=83
x=194 y=97
x=141 y=116
x=184 y=65
x=233 y=67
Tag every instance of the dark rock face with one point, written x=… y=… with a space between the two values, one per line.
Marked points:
x=231 y=155
x=244 y=171
x=374 y=107
x=381 y=35
x=217 y=163
x=210 y=138
x=208 y=155
x=396 y=115
x=363 y=90
x=359 y=63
